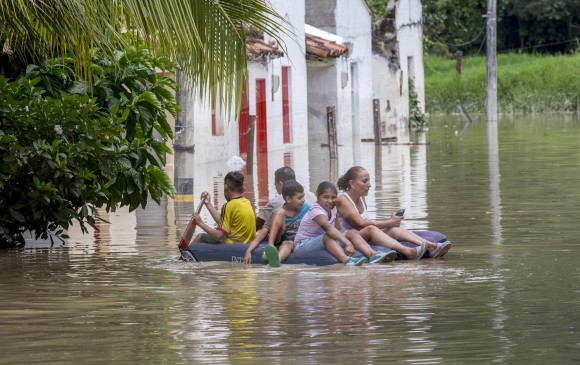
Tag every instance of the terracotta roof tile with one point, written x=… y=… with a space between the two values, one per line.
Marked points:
x=323 y=48
x=258 y=47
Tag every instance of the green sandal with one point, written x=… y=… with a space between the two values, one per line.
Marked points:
x=272 y=256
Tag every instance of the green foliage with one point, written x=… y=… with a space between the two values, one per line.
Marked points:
x=526 y=83
x=206 y=37
x=127 y=80
x=451 y=26
x=417 y=119
x=545 y=9
x=447 y=22
x=66 y=152
x=548 y=26
x=378 y=7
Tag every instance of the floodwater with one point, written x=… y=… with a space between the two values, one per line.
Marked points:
x=508 y=291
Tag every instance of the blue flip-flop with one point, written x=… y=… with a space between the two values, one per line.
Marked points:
x=442 y=249
x=421 y=250
x=378 y=258
x=391 y=256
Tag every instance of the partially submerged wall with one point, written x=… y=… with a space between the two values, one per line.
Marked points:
x=398 y=56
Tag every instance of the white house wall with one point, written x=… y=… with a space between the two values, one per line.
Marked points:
x=293 y=12
x=394 y=110
x=353 y=23
x=322 y=86
x=214 y=148
x=410 y=36
x=390 y=81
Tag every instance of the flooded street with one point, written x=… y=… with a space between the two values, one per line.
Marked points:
x=507 y=292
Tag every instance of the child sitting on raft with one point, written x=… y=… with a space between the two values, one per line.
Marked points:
x=320 y=229
x=236 y=223
x=283 y=225
x=281 y=175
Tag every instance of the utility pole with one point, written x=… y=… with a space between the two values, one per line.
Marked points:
x=491 y=69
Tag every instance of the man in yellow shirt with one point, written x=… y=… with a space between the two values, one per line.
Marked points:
x=236 y=223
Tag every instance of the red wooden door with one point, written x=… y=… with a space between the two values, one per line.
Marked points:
x=213 y=120
x=261 y=122
x=244 y=120
x=285 y=105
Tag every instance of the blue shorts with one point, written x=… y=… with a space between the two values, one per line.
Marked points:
x=208 y=238
x=312 y=244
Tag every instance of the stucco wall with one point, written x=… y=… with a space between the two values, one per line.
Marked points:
x=391 y=67
x=410 y=37
x=322 y=85
x=352 y=22
x=295 y=59
x=387 y=88
x=354 y=25
x=321 y=14
x=214 y=148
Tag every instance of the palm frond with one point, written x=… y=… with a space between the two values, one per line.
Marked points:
x=205 y=37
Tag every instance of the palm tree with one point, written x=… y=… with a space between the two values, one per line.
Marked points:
x=205 y=37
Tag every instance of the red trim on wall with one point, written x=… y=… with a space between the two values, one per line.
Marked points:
x=244 y=120
x=288 y=159
x=263 y=192
x=261 y=122
x=213 y=120
x=286 y=104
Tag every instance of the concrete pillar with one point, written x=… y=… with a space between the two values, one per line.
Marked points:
x=183 y=145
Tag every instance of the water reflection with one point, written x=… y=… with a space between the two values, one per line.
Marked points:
x=119 y=294
x=494 y=180
x=356 y=313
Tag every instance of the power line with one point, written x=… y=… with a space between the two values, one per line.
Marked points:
x=481 y=45
x=463 y=44
x=540 y=45
x=482 y=31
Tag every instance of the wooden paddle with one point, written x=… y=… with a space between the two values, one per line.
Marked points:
x=188 y=233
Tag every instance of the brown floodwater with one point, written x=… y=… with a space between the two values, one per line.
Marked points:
x=508 y=291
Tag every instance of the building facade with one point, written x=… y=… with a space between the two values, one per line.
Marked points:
x=274 y=93
x=341 y=82
x=397 y=59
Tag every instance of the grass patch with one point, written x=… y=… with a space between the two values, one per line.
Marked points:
x=526 y=83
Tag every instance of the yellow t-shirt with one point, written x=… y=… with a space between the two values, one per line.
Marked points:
x=238 y=221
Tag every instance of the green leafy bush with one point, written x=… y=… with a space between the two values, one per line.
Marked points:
x=69 y=147
x=417 y=119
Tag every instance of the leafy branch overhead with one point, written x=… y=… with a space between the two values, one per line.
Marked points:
x=206 y=38
x=69 y=147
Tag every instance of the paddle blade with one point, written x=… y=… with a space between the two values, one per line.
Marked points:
x=187 y=234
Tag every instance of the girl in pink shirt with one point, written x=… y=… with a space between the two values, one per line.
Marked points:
x=320 y=229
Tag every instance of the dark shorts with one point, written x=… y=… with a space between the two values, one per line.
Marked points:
x=208 y=238
x=279 y=243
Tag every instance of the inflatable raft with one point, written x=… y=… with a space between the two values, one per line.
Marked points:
x=234 y=252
